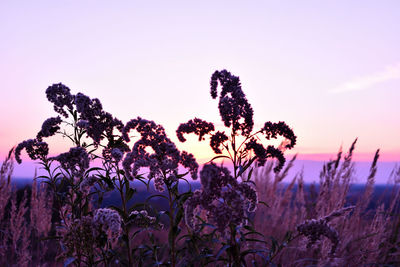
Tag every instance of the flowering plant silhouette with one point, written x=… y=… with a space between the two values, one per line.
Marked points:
x=206 y=226
x=226 y=201
x=75 y=184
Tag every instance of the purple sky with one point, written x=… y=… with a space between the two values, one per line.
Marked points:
x=330 y=69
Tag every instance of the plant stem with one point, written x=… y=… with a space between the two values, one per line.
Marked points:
x=171 y=226
x=124 y=207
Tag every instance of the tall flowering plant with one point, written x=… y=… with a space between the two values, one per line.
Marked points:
x=226 y=202
x=88 y=235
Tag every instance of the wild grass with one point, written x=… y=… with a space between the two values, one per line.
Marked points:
x=25 y=221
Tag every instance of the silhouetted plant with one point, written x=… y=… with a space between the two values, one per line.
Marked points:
x=228 y=203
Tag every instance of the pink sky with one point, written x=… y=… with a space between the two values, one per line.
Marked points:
x=330 y=69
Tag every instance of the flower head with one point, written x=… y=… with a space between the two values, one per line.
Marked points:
x=109 y=220
x=36 y=149
x=117 y=154
x=49 y=127
x=225 y=200
x=87 y=183
x=233 y=107
x=142 y=219
x=216 y=140
x=94 y=119
x=155 y=151
x=76 y=161
x=197 y=126
x=60 y=96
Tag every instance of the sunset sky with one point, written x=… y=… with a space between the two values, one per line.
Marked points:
x=329 y=69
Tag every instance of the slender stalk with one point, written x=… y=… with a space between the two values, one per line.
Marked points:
x=171 y=227
x=125 y=209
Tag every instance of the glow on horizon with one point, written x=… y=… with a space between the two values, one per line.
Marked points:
x=155 y=61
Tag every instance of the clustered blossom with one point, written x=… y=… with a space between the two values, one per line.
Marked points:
x=272 y=130
x=87 y=183
x=94 y=120
x=197 y=126
x=115 y=150
x=76 y=161
x=117 y=154
x=188 y=161
x=216 y=140
x=262 y=154
x=49 y=127
x=36 y=149
x=165 y=159
x=88 y=233
x=234 y=109
x=109 y=220
x=142 y=219
x=83 y=124
x=315 y=228
x=60 y=96
x=224 y=199
x=258 y=150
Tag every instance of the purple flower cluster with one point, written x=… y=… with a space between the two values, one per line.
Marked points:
x=263 y=154
x=165 y=157
x=36 y=149
x=87 y=183
x=94 y=120
x=117 y=154
x=109 y=220
x=217 y=140
x=60 y=96
x=76 y=161
x=197 y=126
x=234 y=109
x=49 y=127
x=224 y=199
x=142 y=219
x=272 y=130
x=202 y=128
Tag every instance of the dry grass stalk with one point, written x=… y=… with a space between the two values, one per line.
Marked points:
x=6 y=170
x=363 y=239
x=40 y=217
x=19 y=232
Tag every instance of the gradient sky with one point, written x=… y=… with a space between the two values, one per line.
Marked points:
x=330 y=69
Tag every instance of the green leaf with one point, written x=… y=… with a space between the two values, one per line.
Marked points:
x=178 y=216
x=218 y=157
x=156 y=195
x=274 y=245
x=130 y=193
x=225 y=247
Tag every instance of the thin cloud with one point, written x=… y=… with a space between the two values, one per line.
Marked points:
x=389 y=73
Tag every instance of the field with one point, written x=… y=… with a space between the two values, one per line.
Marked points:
x=137 y=208
x=368 y=235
